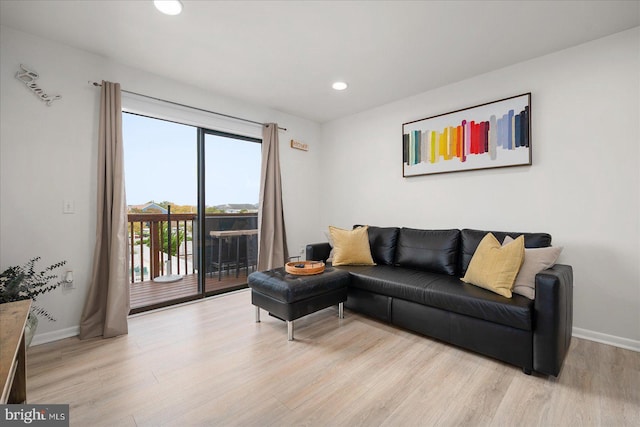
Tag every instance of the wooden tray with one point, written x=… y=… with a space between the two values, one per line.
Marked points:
x=304 y=268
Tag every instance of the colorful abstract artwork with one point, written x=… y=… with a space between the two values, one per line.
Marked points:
x=492 y=135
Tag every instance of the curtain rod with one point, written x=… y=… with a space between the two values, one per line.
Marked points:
x=188 y=106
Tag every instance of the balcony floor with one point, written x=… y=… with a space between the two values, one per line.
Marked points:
x=150 y=293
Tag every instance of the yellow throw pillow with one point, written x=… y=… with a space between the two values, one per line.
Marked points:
x=351 y=247
x=495 y=267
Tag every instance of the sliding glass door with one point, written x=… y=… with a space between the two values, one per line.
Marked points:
x=192 y=198
x=230 y=185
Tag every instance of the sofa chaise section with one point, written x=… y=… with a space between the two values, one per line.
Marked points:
x=416 y=285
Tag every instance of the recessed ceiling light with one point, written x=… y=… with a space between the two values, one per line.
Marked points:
x=339 y=85
x=168 y=7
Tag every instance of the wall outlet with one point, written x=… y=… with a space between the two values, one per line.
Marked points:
x=68 y=280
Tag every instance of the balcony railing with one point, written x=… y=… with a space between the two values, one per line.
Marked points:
x=147 y=238
x=148 y=241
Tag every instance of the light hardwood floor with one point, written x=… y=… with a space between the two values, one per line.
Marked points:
x=208 y=363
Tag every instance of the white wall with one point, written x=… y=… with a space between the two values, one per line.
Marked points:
x=48 y=154
x=583 y=186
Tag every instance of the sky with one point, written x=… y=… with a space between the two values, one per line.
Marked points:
x=160 y=162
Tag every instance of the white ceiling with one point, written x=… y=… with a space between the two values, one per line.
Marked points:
x=286 y=54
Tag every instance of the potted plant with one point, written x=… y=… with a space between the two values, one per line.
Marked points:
x=24 y=282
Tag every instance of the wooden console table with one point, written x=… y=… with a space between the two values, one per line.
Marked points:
x=13 y=351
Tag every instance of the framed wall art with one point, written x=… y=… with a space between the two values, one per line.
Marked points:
x=492 y=135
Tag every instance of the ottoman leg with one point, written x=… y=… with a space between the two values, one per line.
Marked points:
x=341 y=310
x=257 y=314
x=290 y=330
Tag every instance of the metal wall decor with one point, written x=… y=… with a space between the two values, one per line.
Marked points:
x=28 y=77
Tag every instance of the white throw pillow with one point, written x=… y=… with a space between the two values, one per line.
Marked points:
x=330 y=240
x=535 y=260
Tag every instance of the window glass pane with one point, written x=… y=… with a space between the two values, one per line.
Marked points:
x=232 y=182
x=160 y=161
x=232 y=173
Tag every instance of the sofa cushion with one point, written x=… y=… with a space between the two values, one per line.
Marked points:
x=495 y=267
x=470 y=239
x=535 y=260
x=444 y=292
x=330 y=240
x=392 y=281
x=383 y=241
x=351 y=247
x=430 y=250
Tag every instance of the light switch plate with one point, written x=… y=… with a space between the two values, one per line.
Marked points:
x=68 y=207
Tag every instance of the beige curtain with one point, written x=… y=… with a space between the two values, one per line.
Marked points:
x=272 y=239
x=107 y=305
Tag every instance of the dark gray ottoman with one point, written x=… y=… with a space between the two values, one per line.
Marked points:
x=290 y=297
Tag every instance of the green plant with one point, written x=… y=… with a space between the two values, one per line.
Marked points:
x=24 y=282
x=177 y=238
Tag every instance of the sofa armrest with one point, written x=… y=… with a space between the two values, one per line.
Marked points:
x=553 y=318
x=318 y=251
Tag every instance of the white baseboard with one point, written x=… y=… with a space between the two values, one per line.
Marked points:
x=55 y=335
x=613 y=340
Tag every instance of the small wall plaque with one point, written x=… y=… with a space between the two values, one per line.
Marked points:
x=299 y=145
